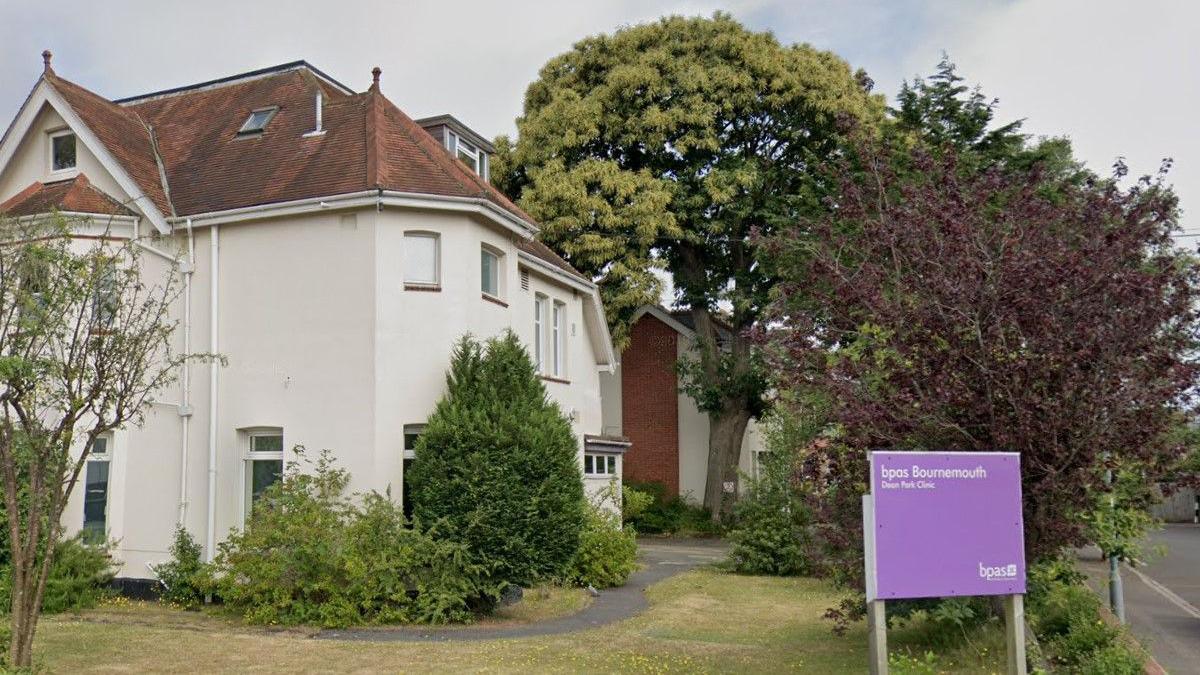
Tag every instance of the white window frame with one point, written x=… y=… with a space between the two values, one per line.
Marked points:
x=437 y=259
x=498 y=257
x=249 y=455
x=558 y=343
x=539 y=332
x=592 y=461
x=99 y=457
x=68 y=172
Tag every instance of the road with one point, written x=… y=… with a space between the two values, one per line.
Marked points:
x=1162 y=597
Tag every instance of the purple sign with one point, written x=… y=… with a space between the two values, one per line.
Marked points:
x=942 y=524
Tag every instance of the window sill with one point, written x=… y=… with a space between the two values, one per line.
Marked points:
x=62 y=174
x=551 y=378
x=494 y=300
x=429 y=288
x=600 y=476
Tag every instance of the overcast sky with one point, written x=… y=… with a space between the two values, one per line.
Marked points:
x=1119 y=78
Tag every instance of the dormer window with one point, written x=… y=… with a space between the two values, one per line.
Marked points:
x=470 y=155
x=258 y=120
x=62 y=152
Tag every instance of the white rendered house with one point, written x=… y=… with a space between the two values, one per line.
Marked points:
x=333 y=250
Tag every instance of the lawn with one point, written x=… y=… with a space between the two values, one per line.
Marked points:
x=703 y=620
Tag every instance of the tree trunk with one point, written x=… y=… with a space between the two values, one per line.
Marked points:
x=727 y=428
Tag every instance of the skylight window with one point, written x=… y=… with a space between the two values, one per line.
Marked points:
x=258 y=121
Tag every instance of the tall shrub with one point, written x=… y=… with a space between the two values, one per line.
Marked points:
x=497 y=466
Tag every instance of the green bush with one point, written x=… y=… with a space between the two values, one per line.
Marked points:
x=1066 y=616
x=497 y=466
x=79 y=577
x=607 y=553
x=311 y=556
x=670 y=514
x=634 y=503
x=185 y=578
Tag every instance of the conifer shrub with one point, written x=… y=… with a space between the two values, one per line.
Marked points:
x=497 y=468
x=184 y=578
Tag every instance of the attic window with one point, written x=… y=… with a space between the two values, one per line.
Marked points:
x=466 y=152
x=62 y=151
x=257 y=122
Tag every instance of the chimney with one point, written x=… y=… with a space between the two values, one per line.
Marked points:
x=375 y=73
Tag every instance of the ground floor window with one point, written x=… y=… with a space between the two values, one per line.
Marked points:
x=95 y=491
x=264 y=464
x=599 y=465
x=412 y=433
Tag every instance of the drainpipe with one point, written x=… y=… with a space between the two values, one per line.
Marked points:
x=185 y=405
x=210 y=538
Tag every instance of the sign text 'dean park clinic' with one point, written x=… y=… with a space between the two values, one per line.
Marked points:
x=943 y=524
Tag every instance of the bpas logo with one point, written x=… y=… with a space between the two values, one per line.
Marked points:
x=998 y=573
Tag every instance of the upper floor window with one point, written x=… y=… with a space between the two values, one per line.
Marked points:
x=559 y=339
x=489 y=272
x=62 y=151
x=539 y=324
x=421 y=258
x=469 y=153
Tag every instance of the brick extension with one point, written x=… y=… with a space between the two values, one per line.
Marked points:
x=650 y=403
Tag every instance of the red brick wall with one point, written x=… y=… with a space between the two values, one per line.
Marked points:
x=650 y=404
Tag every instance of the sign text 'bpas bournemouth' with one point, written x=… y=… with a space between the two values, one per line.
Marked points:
x=944 y=524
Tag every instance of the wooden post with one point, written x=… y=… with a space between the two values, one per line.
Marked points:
x=877 y=638
x=1014 y=628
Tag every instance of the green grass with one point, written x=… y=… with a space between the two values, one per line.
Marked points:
x=699 y=621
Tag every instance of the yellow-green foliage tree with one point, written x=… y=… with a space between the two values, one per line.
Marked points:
x=666 y=145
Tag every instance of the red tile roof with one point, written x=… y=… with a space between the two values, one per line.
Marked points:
x=368 y=144
x=76 y=194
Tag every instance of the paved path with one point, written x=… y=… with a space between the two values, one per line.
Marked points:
x=660 y=558
x=1162 y=598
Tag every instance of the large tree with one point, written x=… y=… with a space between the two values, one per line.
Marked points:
x=85 y=341
x=665 y=146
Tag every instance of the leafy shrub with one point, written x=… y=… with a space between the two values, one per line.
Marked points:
x=311 y=556
x=396 y=574
x=770 y=520
x=496 y=466
x=671 y=514
x=634 y=503
x=79 y=577
x=607 y=553
x=185 y=578
x=1066 y=615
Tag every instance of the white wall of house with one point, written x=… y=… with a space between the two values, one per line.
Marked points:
x=322 y=342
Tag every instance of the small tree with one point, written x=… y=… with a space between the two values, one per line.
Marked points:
x=85 y=341
x=497 y=465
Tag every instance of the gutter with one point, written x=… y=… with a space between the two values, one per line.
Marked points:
x=363 y=198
